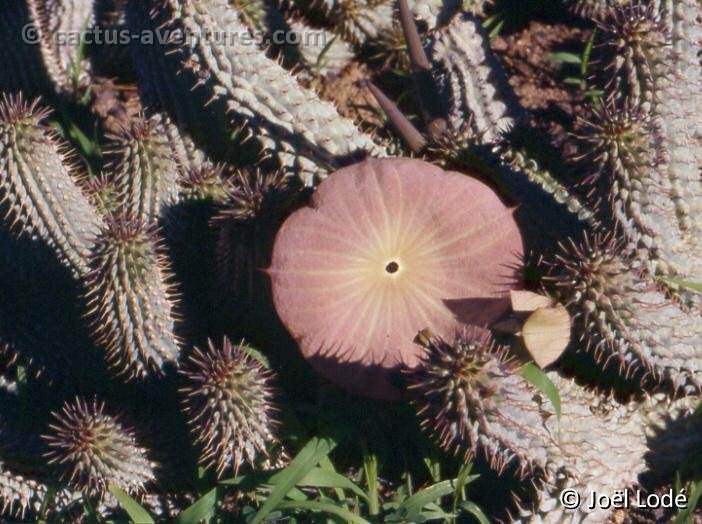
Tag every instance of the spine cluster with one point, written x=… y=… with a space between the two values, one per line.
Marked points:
x=227 y=396
x=95 y=450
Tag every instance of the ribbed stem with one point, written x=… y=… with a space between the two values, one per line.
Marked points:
x=305 y=133
x=130 y=299
x=147 y=169
x=38 y=192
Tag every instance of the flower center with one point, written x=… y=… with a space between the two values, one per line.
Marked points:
x=392 y=267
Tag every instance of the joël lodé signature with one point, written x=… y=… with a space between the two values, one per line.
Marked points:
x=623 y=499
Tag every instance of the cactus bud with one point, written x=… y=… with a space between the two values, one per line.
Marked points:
x=95 y=450
x=227 y=395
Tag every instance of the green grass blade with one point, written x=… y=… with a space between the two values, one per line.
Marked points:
x=694 y=286
x=261 y=479
x=251 y=480
x=89 y=148
x=594 y=93
x=135 y=511
x=326 y=49
x=321 y=478
x=434 y=514
x=474 y=509
x=89 y=512
x=331 y=509
x=495 y=31
x=462 y=480
x=257 y=355
x=564 y=58
x=200 y=509
x=685 y=516
x=540 y=380
x=370 y=469
x=411 y=508
x=302 y=464
x=327 y=465
x=585 y=63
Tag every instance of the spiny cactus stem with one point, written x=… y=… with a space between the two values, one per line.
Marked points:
x=227 y=396
x=149 y=163
x=131 y=299
x=37 y=186
x=414 y=139
x=95 y=450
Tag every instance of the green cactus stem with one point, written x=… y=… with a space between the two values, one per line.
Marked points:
x=104 y=193
x=624 y=315
x=307 y=135
x=655 y=203
x=467 y=74
x=246 y=227
x=647 y=141
x=147 y=169
x=38 y=192
x=130 y=297
x=64 y=19
x=206 y=183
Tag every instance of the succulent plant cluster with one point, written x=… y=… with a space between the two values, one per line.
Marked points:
x=168 y=243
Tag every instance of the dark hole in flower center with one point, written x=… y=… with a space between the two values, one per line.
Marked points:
x=392 y=267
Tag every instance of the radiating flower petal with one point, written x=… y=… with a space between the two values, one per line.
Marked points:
x=389 y=247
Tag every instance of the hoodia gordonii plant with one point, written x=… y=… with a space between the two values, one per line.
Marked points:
x=129 y=297
x=112 y=255
x=182 y=217
x=469 y=395
x=472 y=398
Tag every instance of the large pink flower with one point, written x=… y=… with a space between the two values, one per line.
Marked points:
x=387 y=248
